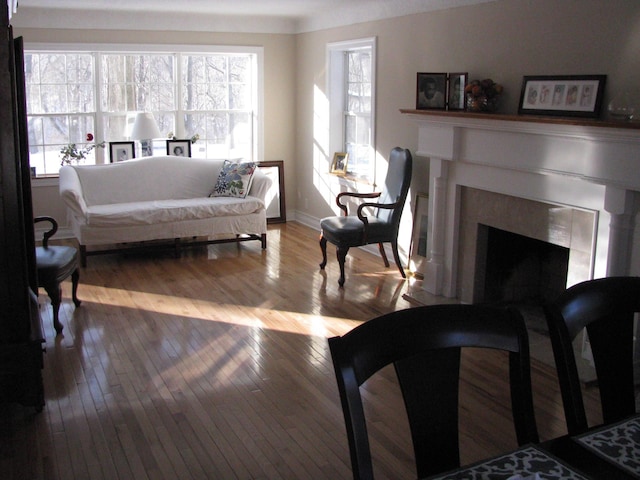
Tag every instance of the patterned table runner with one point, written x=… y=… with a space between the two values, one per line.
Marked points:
x=618 y=444
x=525 y=461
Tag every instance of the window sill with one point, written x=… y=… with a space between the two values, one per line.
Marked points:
x=45 y=181
x=355 y=179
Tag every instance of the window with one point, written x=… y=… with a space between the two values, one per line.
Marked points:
x=352 y=104
x=211 y=94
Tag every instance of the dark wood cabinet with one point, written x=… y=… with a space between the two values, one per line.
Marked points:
x=21 y=336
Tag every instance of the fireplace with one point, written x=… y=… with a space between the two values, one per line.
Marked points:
x=533 y=228
x=575 y=183
x=515 y=269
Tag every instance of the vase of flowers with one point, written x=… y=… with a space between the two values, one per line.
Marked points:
x=71 y=153
x=483 y=95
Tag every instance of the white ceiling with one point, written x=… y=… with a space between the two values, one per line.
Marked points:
x=259 y=16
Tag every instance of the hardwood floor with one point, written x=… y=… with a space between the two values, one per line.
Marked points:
x=216 y=366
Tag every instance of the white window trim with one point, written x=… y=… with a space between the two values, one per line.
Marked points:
x=181 y=48
x=336 y=92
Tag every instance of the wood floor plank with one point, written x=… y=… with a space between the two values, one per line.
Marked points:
x=215 y=365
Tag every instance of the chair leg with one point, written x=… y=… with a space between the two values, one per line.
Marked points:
x=341 y=253
x=383 y=254
x=55 y=294
x=323 y=248
x=75 y=279
x=396 y=256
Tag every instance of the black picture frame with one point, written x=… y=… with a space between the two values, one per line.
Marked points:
x=120 y=151
x=562 y=95
x=431 y=91
x=275 y=201
x=179 y=148
x=456 y=99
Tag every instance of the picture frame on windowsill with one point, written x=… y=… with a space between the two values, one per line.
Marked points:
x=120 y=151
x=339 y=163
x=179 y=148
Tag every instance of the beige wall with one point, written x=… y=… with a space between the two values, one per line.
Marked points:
x=505 y=40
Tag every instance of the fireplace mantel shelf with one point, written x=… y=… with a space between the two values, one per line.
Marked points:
x=469 y=116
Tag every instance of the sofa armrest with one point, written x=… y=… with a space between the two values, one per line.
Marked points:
x=71 y=191
x=260 y=185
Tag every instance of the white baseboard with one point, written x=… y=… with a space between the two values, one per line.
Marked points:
x=63 y=233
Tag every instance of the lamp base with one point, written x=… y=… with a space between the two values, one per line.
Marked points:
x=146 y=148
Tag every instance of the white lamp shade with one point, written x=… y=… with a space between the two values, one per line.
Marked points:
x=145 y=127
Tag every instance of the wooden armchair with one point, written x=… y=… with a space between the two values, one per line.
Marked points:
x=55 y=264
x=357 y=230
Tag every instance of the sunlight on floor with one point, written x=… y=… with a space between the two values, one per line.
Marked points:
x=260 y=317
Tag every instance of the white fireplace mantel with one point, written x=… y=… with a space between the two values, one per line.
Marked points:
x=584 y=164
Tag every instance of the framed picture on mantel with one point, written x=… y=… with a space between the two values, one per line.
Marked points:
x=562 y=95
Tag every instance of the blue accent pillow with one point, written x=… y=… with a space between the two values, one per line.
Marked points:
x=234 y=179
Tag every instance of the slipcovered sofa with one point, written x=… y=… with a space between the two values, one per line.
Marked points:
x=164 y=198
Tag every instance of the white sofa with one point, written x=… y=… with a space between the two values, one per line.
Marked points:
x=158 y=198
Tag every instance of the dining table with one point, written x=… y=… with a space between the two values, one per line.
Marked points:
x=605 y=452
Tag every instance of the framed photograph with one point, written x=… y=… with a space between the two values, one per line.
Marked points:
x=179 y=148
x=418 y=254
x=119 y=151
x=562 y=95
x=339 y=163
x=431 y=91
x=456 y=99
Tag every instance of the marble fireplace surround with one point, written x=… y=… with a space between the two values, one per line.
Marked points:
x=571 y=182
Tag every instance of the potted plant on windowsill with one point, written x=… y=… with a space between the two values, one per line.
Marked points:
x=70 y=153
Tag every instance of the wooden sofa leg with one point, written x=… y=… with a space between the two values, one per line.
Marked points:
x=263 y=240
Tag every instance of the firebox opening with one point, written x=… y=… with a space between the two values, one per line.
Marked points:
x=513 y=268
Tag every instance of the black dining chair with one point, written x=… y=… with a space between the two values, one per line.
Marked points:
x=348 y=231
x=54 y=264
x=424 y=345
x=606 y=308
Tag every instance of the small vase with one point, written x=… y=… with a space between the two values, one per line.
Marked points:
x=482 y=103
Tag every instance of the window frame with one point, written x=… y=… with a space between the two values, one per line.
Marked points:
x=337 y=80
x=100 y=115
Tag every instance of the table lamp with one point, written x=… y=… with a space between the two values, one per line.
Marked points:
x=145 y=129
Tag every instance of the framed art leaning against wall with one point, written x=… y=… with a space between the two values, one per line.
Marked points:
x=418 y=254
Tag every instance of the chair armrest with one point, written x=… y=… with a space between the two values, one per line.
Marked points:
x=356 y=195
x=362 y=206
x=49 y=233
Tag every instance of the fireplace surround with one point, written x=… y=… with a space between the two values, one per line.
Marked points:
x=573 y=180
